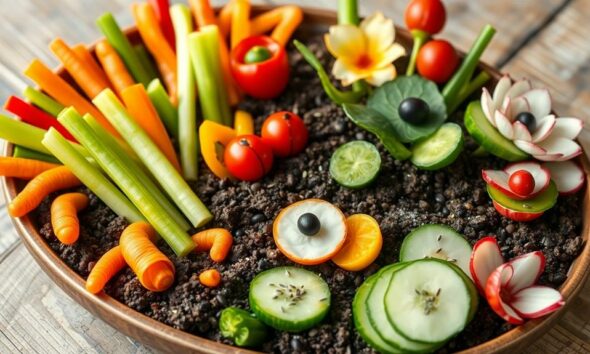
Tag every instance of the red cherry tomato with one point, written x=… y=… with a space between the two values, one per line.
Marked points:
x=265 y=79
x=285 y=132
x=522 y=182
x=437 y=61
x=425 y=15
x=247 y=157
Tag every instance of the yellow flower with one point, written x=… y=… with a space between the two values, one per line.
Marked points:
x=365 y=52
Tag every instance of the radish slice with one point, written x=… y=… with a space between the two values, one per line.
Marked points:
x=568 y=176
x=536 y=301
x=527 y=270
x=504 y=125
x=521 y=132
x=487 y=106
x=496 y=282
x=499 y=179
x=485 y=258
x=539 y=101
x=501 y=89
x=565 y=147
x=515 y=215
x=568 y=127
x=519 y=105
x=519 y=88
x=529 y=147
x=544 y=129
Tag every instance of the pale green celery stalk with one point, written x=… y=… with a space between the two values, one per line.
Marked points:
x=138 y=168
x=117 y=142
x=129 y=182
x=163 y=171
x=203 y=46
x=166 y=110
x=146 y=60
x=348 y=12
x=25 y=153
x=187 y=112
x=23 y=134
x=43 y=101
x=91 y=176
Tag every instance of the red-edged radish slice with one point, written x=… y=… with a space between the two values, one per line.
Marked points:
x=494 y=290
x=485 y=258
x=499 y=178
x=568 y=176
x=536 y=301
x=521 y=216
x=527 y=270
x=317 y=248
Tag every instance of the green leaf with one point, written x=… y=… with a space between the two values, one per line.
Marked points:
x=387 y=98
x=377 y=124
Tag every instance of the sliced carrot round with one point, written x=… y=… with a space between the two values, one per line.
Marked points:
x=363 y=243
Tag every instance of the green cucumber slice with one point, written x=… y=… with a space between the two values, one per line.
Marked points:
x=355 y=164
x=542 y=202
x=488 y=136
x=428 y=301
x=289 y=298
x=440 y=149
x=437 y=241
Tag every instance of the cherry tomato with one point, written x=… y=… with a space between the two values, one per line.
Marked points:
x=437 y=61
x=247 y=157
x=522 y=182
x=285 y=132
x=425 y=15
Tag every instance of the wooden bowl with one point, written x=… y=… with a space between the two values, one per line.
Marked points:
x=167 y=339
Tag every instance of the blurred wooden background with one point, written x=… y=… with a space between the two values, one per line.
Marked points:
x=544 y=40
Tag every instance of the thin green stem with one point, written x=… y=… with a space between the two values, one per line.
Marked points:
x=43 y=101
x=481 y=79
x=167 y=112
x=348 y=13
x=24 y=153
x=420 y=37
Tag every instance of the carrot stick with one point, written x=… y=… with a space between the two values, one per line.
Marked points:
x=64 y=218
x=105 y=269
x=62 y=92
x=153 y=269
x=210 y=278
x=224 y=19
x=23 y=168
x=240 y=22
x=284 y=20
x=114 y=67
x=162 y=10
x=217 y=241
x=80 y=70
x=243 y=123
x=41 y=186
x=153 y=38
x=142 y=110
x=203 y=12
x=84 y=55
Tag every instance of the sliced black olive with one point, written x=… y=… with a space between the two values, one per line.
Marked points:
x=414 y=110
x=308 y=224
x=528 y=119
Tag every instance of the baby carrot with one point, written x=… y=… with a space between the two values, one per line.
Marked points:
x=64 y=218
x=224 y=19
x=210 y=278
x=142 y=110
x=240 y=21
x=152 y=36
x=217 y=241
x=162 y=10
x=284 y=20
x=83 y=53
x=107 y=266
x=39 y=187
x=114 y=67
x=23 y=168
x=243 y=123
x=153 y=269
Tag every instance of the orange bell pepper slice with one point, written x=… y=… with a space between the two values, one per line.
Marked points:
x=214 y=137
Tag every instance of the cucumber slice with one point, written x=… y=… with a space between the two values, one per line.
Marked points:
x=355 y=164
x=488 y=136
x=289 y=298
x=437 y=241
x=542 y=202
x=440 y=149
x=428 y=301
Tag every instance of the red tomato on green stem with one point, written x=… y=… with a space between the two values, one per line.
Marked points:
x=437 y=61
x=285 y=132
x=248 y=158
x=425 y=15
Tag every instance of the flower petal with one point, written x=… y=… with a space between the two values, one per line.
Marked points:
x=544 y=128
x=529 y=147
x=556 y=145
x=527 y=270
x=504 y=125
x=379 y=32
x=540 y=102
x=568 y=127
x=536 y=301
x=518 y=105
x=487 y=106
x=346 y=41
x=390 y=54
x=380 y=76
x=346 y=74
x=506 y=106
x=519 y=88
x=500 y=91
x=521 y=132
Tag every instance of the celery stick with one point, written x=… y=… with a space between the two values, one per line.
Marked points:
x=187 y=111
x=129 y=182
x=43 y=101
x=167 y=112
x=203 y=47
x=24 y=153
x=91 y=176
x=23 y=134
x=172 y=182
x=348 y=12
x=146 y=60
x=119 y=144
x=109 y=27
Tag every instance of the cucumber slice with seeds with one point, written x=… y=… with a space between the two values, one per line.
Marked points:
x=440 y=149
x=355 y=164
x=289 y=298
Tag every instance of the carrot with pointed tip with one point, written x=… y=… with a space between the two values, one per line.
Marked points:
x=211 y=278
x=217 y=241
x=64 y=216
x=84 y=54
x=283 y=21
x=41 y=186
x=114 y=67
x=111 y=263
x=240 y=22
x=23 y=168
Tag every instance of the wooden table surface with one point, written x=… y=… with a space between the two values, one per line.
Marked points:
x=544 y=40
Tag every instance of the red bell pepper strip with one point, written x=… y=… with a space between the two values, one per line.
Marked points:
x=34 y=116
x=162 y=9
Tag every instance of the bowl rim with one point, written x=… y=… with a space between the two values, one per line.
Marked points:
x=164 y=337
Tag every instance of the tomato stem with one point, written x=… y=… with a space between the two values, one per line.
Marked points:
x=420 y=38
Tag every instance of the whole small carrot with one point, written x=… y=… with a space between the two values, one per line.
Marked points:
x=83 y=53
x=217 y=241
x=284 y=20
x=39 y=187
x=153 y=269
x=114 y=67
x=240 y=22
x=64 y=218
x=210 y=278
x=105 y=269
x=23 y=168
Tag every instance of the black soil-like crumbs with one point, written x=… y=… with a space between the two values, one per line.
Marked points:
x=401 y=199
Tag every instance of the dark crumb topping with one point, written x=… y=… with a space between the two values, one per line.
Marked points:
x=401 y=199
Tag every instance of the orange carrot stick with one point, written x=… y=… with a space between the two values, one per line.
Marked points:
x=65 y=94
x=154 y=39
x=64 y=218
x=217 y=241
x=203 y=12
x=141 y=108
x=105 y=269
x=240 y=22
x=210 y=278
x=284 y=20
x=224 y=19
x=153 y=269
x=83 y=53
x=23 y=168
x=114 y=67
x=41 y=186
